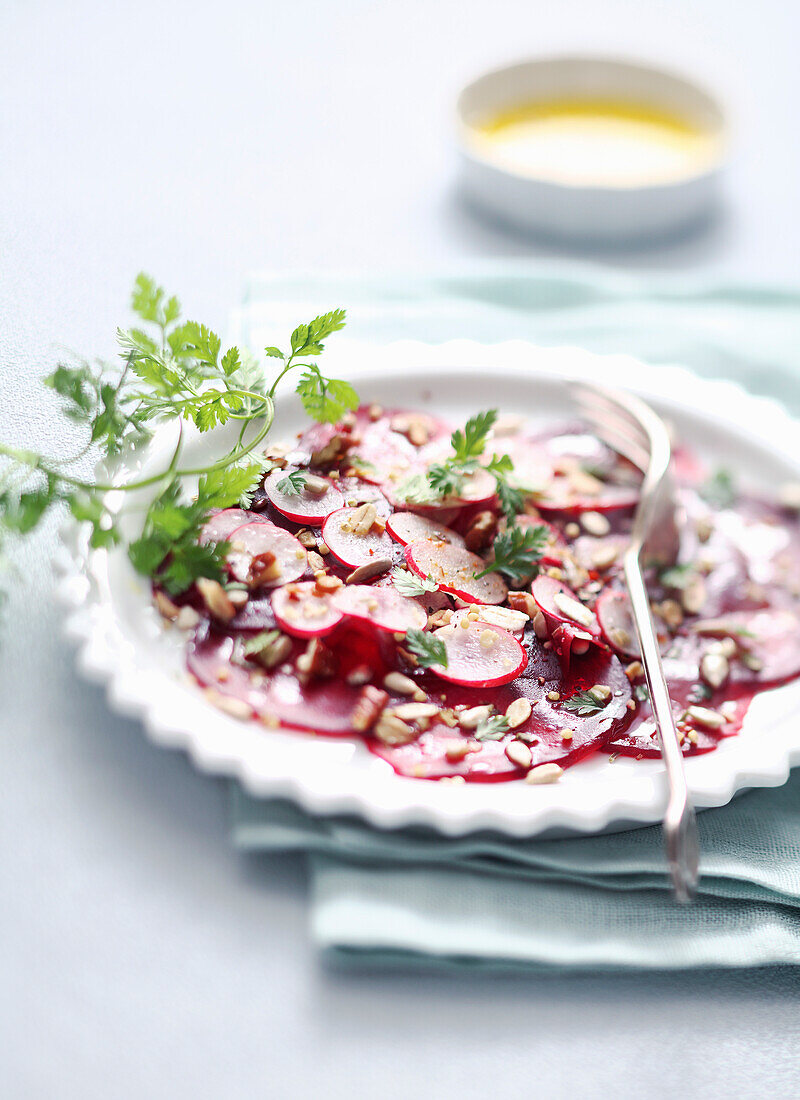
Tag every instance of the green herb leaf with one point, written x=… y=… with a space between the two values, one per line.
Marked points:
x=427 y=649
x=493 y=728
x=720 y=489
x=229 y=486
x=325 y=400
x=469 y=444
x=517 y=552
x=677 y=576
x=409 y=584
x=641 y=692
x=584 y=704
x=293 y=484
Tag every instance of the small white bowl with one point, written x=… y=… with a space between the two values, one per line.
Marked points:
x=565 y=204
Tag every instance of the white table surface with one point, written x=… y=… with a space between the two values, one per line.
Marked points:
x=142 y=957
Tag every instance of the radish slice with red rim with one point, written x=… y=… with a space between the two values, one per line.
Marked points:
x=382 y=455
x=560 y=604
x=479 y=655
x=353 y=549
x=564 y=497
x=385 y=608
x=768 y=640
x=407 y=527
x=615 y=617
x=455 y=571
x=315 y=501
x=304 y=610
x=223 y=524
x=252 y=540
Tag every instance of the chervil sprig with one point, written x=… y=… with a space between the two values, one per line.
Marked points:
x=492 y=728
x=170 y=370
x=427 y=649
x=410 y=585
x=517 y=552
x=294 y=483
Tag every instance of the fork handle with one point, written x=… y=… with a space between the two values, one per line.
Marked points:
x=679 y=820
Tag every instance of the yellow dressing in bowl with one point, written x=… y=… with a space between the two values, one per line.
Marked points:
x=595 y=142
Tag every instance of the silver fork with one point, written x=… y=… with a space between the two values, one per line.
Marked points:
x=633 y=429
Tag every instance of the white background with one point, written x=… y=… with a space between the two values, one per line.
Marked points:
x=139 y=955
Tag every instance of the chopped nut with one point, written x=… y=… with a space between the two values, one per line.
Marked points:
x=487 y=639
x=216 y=599
x=671 y=612
x=331 y=451
x=567 y=734
x=166 y=607
x=704 y=527
x=553 y=696
x=315 y=563
x=307 y=538
x=275 y=648
x=481 y=531
x=414 y=427
x=604 y=555
x=317 y=662
x=711 y=719
x=544 y=773
x=572 y=530
x=620 y=637
x=316 y=486
x=453 y=780
x=323 y=548
x=187 y=618
x=361 y=674
x=399 y=684
x=439 y=618
x=601 y=692
x=573 y=609
x=448 y=717
x=727 y=647
x=595 y=523
x=238 y=597
x=693 y=595
x=375 y=412
x=714 y=669
x=236 y=708
x=413 y=712
x=634 y=670
x=519 y=754
x=523 y=601
x=325 y=583
x=583 y=483
x=518 y=712
x=394 y=731
x=540 y=625
x=506 y=617
x=470 y=719
x=369 y=571
x=755 y=664
x=370 y=703
x=263 y=568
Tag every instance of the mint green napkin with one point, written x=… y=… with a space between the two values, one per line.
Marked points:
x=598 y=902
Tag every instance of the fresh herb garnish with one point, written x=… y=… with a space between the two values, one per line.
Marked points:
x=517 y=552
x=293 y=484
x=427 y=649
x=677 y=576
x=700 y=693
x=492 y=728
x=175 y=371
x=641 y=692
x=720 y=489
x=584 y=704
x=261 y=641
x=409 y=584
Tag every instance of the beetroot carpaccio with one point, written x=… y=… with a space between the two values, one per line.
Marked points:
x=373 y=591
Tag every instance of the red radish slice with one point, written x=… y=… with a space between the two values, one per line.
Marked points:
x=407 y=527
x=505 y=617
x=615 y=617
x=479 y=655
x=533 y=469
x=383 y=607
x=253 y=539
x=477 y=488
x=560 y=604
x=306 y=506
x=357 y=491
x=386 y=456
x=350 y=548
x=563 y=497
x=454 y=570
x=568 y=640
x=599 y=554
x=224 y=523
x=303 y=610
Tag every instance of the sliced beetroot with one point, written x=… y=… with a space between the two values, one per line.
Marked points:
x=384 y=607
x=306 y=506
x=560 y=605
x=222 y=524
x=479 y=655
x=454 y=570
x=324 y=706
x=407 y=527
x=615 y=617
x=353 y=549
x=305 y=610
x=254 y=543
x=436 y=753
x=768 y=639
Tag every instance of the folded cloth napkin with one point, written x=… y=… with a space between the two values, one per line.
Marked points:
x=405 y=896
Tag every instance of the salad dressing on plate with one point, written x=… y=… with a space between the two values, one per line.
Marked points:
x=593 y=141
